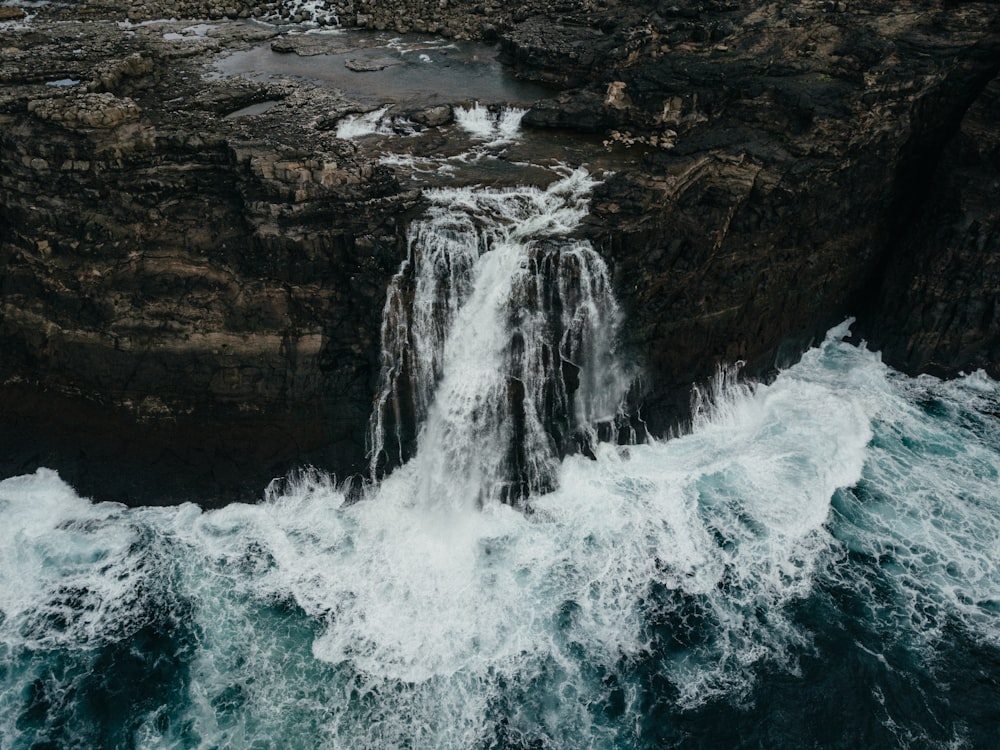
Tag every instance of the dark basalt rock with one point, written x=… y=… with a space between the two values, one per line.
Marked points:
x=432 y=117
x=781 y=195
x=542 y=50
x=583 y=112
x=191 y=299
x=190 y=303
x=938 y=307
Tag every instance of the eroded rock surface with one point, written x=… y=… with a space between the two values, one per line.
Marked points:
x=208 y=286
x=791 y=151
x=191 y=291
x=939 y=300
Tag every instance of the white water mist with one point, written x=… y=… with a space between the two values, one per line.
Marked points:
x=496 y=125
x=307 y=620
x=498 y=342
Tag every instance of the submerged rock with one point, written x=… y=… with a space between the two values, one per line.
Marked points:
x=368 y=66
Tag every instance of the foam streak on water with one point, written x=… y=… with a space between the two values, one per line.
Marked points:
x=816 y=564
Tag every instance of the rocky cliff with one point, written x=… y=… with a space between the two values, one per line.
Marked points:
x=805 y=162
x=937 y=307
x=190 y=301
x=192 y=297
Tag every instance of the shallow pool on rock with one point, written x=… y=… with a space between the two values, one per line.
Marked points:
x=380 y=68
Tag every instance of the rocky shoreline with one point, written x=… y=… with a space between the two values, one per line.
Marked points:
x=190 y=301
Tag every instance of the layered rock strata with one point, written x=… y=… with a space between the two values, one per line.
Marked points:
x=938 y=304
x=191 y=302
x=790 y=180
x=193 y=297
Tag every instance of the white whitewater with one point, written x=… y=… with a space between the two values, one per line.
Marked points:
x=498 y=343
x=384 y=623
x=496 y=125
x=375 y=122
x=492 y=127
x=310 y=12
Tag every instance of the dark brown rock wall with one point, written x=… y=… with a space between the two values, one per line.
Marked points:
x=197 y=300
x=779 y=193
x=938 y=307
x=182 y=298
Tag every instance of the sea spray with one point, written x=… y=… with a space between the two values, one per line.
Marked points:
x=827 y=540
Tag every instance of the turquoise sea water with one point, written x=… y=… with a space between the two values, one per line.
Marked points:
x=817 y=564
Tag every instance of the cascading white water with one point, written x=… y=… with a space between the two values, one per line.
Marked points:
x=496 y=125
x=492 y=126
x=827 y=540
x=377 y=122
x=498 y=342
x=313 y=12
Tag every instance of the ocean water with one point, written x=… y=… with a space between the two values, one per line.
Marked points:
x=816 y=564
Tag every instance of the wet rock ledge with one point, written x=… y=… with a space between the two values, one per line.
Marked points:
x=190 y=303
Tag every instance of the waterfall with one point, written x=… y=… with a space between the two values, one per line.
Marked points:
x=493 y=126
x=498 y=344
x=497 y=125
x=376 y=122
x=313 y=12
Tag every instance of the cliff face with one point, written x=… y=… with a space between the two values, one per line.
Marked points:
x=789 y=181
x=190 y=300
x=939 y=301
x=181 y=292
